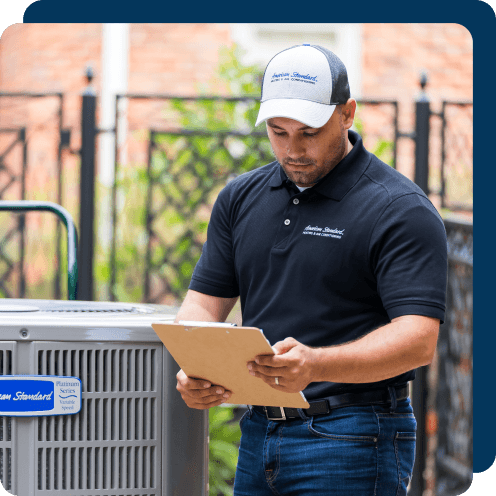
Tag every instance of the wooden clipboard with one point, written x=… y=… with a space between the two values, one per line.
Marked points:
x=219 y=354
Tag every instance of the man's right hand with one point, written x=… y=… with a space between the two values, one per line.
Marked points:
x=199 y=393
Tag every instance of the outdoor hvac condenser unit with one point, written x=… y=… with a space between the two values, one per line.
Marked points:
x=133 y=436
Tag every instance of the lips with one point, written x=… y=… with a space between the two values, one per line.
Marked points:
x=297 y=165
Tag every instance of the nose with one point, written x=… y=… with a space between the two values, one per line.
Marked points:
x=295 y=149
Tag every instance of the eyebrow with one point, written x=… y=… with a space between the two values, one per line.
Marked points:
x=279 y=127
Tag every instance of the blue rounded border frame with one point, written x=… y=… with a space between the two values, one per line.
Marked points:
x=477 y=16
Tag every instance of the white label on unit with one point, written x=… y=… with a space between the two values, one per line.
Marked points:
x=37 y=395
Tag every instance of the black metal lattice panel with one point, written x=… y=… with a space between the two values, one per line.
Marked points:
x=454 y=459
x=457 y=155
x=13 y=164
x=39 y=130
x=186 y=172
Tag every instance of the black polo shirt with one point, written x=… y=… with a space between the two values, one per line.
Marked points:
x=329 y=264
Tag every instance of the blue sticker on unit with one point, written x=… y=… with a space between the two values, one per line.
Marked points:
x=36 y=395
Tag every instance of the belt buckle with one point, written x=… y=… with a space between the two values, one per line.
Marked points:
x=283 y=415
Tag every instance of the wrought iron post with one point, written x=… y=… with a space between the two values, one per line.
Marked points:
x=419 y=389
x=22 y=218
x=87 y=191
x=419 y=404
x=422 y=114
x=57 y=288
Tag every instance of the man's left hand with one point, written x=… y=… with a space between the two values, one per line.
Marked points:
x=293 y=365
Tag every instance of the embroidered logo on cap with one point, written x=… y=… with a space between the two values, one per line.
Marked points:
x=296 y=76
x=282 y=76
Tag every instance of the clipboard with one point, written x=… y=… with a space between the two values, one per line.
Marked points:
x=218 y=353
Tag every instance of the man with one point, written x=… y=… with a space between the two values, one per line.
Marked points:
x=342 y=262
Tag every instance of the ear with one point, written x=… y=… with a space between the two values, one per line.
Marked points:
x=348 y=113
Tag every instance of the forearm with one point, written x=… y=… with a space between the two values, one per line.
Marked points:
x=199 y=393
x=202 y=307
x=404 y=344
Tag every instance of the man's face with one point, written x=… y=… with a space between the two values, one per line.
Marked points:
x=307 y=154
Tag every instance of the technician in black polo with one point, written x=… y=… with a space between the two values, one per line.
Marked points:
x=342 y=262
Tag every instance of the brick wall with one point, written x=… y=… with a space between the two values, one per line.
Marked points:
x=174 y=59
x=164 y=58
x=394 y=54
x=393 y=57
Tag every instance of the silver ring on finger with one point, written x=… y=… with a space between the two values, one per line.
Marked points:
x=277 y=381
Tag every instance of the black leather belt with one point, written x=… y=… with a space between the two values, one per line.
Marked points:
x=325 y=405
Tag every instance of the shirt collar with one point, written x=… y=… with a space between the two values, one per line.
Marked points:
x=278 y=176
x=342 y=178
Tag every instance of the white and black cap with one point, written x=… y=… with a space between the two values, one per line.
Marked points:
x=304 y=83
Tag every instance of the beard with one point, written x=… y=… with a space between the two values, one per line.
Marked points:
x=307 y=171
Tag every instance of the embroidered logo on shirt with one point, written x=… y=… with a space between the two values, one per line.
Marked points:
x=325 y=232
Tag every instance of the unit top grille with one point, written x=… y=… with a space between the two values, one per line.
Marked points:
x=57 y=306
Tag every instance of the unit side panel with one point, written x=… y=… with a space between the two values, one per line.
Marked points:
x=8 y=466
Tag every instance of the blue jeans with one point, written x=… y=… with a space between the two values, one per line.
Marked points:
x=364 y=450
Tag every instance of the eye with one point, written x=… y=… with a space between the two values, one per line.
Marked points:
x=311 y=134
x=278 y=134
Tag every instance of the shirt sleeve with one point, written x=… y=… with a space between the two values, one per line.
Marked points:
x=409 y=258
x=214 y=273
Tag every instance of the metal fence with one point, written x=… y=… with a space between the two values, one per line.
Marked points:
x=30 y=153
x=166 y=180
x=376 y=120
x=13 y=233
x=454 y=453
x=457 y=156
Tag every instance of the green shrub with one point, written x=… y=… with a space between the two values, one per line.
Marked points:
x=223 y=450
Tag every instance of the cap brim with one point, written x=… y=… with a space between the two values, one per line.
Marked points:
x=309 y=113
